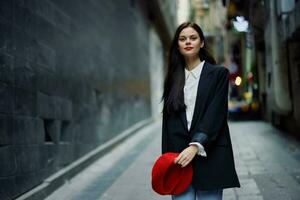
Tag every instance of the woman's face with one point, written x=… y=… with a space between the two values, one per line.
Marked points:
x=189 y=42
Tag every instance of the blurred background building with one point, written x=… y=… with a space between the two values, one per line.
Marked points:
x=266 y=56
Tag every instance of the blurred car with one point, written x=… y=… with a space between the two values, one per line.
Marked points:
x=243 y=110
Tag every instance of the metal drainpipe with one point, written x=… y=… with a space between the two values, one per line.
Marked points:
x=282 y=99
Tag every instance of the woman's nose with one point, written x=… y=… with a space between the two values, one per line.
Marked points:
x=187 y=41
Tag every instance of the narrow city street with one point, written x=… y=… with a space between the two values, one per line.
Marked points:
x=267 y=161
x=83 y=85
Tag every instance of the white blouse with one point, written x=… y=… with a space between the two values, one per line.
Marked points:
x=190 y=93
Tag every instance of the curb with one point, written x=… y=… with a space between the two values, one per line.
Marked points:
x=53 y=182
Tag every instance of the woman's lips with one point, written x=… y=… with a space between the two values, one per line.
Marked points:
x=188 y=48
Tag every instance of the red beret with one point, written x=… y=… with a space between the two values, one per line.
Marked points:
x=170 y=178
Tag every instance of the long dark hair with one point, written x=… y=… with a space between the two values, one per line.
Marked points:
x=175 y=79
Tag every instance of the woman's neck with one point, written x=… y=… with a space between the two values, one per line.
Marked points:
x=191 y=63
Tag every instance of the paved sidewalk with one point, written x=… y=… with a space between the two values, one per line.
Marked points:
x=268 y=165
x=127 y=168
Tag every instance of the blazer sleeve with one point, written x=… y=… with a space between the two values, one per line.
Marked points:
x=216 y=113
x=164 y=134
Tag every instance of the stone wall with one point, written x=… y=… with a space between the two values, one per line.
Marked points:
x=73 y=74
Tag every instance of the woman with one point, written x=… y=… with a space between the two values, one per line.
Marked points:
x=195 y=116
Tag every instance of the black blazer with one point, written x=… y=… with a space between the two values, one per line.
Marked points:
x=209 y=127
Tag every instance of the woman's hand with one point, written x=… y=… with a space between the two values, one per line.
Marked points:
x=186 y=156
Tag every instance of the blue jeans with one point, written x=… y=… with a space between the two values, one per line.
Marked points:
x=192 y=194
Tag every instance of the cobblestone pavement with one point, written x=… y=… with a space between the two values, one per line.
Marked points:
x=267 y=162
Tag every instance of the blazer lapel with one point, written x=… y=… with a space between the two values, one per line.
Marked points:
x=183 y=119
x=202 y=91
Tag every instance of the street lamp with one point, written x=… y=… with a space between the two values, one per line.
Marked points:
x=240 y=24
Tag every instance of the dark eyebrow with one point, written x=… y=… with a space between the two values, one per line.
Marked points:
x=189 y=36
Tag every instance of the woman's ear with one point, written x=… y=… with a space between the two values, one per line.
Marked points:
x=202 y=45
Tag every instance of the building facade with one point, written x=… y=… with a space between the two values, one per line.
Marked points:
x=74 y=75
x=273 y=36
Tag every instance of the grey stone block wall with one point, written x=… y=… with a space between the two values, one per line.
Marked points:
x=73 y=74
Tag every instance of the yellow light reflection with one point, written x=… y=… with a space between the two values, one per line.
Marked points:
x=238 y=81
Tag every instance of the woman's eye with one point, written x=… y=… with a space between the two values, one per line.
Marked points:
x=193 y=38
x=181 y=39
